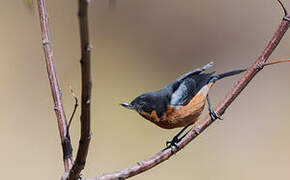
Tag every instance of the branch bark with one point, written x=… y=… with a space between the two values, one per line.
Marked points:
x=202 y=124
x=85 y=61
x=55 y=90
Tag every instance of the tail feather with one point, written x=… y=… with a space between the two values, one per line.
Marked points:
x=223 y=75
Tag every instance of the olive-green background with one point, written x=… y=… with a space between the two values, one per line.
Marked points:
x=141 y=46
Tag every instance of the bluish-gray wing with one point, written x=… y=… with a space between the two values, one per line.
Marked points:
x=184 y=93
x=188 y=89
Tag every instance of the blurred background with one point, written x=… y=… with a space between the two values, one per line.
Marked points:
x=138 y=47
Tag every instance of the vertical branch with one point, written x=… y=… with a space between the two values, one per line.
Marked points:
x=55 y=90
x=86 y=91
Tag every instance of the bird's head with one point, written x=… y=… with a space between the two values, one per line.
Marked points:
x=140 y=103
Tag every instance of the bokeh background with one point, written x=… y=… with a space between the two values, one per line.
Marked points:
x=138 y=47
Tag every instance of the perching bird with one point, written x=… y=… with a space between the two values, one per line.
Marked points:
x=180 y=103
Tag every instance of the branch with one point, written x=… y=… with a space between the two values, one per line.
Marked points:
x=55 y=90
x=86 y=92
x=75 y=107
x=201 y=125
x=276 y=62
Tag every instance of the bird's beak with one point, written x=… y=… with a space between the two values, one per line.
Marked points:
x=128 y=106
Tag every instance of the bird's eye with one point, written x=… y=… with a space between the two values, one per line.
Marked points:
x=147 y=109
x=142 y=103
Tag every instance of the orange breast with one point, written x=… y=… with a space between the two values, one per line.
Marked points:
x=183 y=115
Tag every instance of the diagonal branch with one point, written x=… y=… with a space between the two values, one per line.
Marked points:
x=201 y=125
x=85 y=61
x=55 y=90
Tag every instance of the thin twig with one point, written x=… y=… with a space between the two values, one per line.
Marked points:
x=283 y=7
x=56 y=93
x=202 y=124
x=75 y=107
x=276 y=62
x=85 y=138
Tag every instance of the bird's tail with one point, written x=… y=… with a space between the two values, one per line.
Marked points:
x=223 y=75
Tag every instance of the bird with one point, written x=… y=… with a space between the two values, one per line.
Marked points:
x=180 y=103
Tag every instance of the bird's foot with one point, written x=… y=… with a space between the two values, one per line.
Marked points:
x=260 y=66
x=213 y=115
x=172 y=144
x=175 y=140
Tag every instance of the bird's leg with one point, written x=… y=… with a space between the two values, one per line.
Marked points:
x=176 y=139
x=213 y=115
